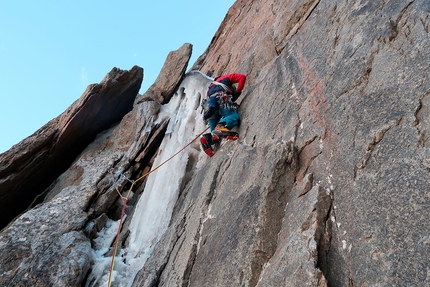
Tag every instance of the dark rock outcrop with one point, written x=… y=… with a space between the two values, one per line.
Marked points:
x=49 y=245
x=29 y=167
x=171 y=74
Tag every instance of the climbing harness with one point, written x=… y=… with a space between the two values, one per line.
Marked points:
x=225 y=87
x=125 y=200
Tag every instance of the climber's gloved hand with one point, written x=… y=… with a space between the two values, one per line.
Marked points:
x=236 y=95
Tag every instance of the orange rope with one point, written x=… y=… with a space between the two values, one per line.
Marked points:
x=128 y=196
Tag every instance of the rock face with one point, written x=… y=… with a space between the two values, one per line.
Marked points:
x=171 y=74
x=46 y=246
x=49 y=245
x=327 y=185
x=31 y=166
x=342 y=86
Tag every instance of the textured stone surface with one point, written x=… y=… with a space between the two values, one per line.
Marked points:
x=30 y=166
x=50 y=245
x=303 y=232
x=171 y=74
x=328 y=183
x=224 y=226
x=346 y=83
x=74 y=202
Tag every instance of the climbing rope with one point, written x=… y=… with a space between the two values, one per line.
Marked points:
x=125 y=200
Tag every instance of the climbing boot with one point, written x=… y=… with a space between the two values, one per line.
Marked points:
x=223 y=132
x=215 y=139
x=206 y=141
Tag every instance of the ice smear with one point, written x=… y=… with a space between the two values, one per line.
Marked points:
x=101 y=243
x=154 y=209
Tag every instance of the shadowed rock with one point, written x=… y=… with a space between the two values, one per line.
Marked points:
x=33 y=164
x=171 y=74
x=49 y=245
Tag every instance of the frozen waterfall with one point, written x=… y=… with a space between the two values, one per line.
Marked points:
x=154 y=209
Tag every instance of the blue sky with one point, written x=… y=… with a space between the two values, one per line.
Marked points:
x=50 y=51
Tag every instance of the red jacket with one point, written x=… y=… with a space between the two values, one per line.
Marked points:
x=240 y=79
x=228 y=80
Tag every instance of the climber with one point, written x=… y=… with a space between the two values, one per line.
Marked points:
x=220 y=109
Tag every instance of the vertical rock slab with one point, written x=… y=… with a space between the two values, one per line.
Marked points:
x=29 y=167
x=296 y=258
x=171 y=74
x=50 y=244
x=346 y=82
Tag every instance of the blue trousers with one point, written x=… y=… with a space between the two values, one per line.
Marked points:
x=218 y=115
x=229 y=118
